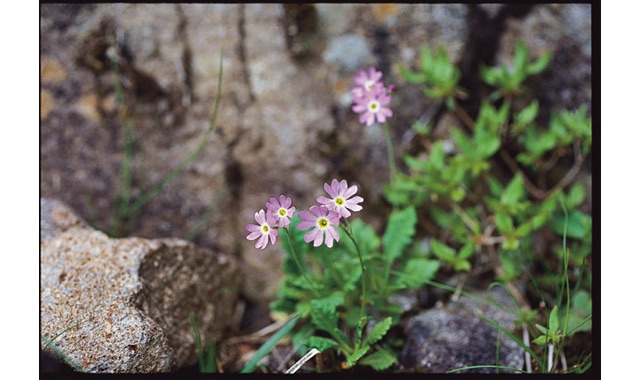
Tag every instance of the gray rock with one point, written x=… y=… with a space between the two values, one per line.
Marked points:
x=349 y=52
x=454 y=336
x=131 y=297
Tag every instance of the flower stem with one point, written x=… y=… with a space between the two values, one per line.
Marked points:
x=304 y=273
x=391 y=156
x=355 y=243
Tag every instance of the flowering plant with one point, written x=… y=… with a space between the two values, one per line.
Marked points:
x=342 y=287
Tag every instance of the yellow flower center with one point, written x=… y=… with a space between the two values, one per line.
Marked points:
x=265 y=228
x=374 y=106
x=323 y=223
x=368 y=85
x=282 y=212
x=339 y=201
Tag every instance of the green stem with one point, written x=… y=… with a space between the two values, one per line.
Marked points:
x=304 y=272
x=364 y=300
x=391 y=156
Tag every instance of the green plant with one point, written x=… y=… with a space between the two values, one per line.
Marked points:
x=460 y=191
x=207 y=360
x=475 y=211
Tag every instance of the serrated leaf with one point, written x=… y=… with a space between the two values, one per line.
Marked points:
x=379 y=360
x=366 y=237
x=320 y=343
x=355 y=356
x=378 y=331
x=324 y=315
x=399 y=233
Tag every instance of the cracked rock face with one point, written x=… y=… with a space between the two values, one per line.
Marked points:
x=125 y=302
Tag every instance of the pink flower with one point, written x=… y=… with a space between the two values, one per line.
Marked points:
x=282 y=210
x=264 y=230
x=372 y=105
x=366 y=81
x=323 y=221
x=341 y=198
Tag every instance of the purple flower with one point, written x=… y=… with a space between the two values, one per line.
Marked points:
x=282 y=210
x=341 y=198
x=264 y=230
x=372 y=105
x=323 y=221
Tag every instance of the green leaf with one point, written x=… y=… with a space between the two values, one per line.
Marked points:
x=578 y=226
x=419 y=271
x=542 y=339
x=379 y=360
x=443 y=251
x=514 y=192
x=412 y=77
x=466 y=251
x=270 y=344
x=461 y=265
x=464 y=144
x=361 y=324
x=504 y=222
x=527 y=115
x=378 y=331
x=366 y=237
x=540 y=64
x=580 y=313
x=399 y=233
x=320 y=343
x=575 y=196
x=324 y=315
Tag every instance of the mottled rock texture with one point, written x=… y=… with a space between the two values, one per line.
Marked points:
x=454 y=336
x=285 y=123
x=131 y=297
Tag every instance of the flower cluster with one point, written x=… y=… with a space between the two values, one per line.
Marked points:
x=370 y=97
x=323 y=219
x=278 y=216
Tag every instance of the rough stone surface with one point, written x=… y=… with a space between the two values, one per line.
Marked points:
x=285 y=123
x=454 y=336
x=131 y=297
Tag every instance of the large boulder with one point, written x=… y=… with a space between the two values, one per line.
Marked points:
x=126 y=302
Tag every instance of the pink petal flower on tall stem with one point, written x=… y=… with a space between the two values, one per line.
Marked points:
x=264 y=230
x=342 y=198
x=324 y=223
x=281 y=210
x=372 y=106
